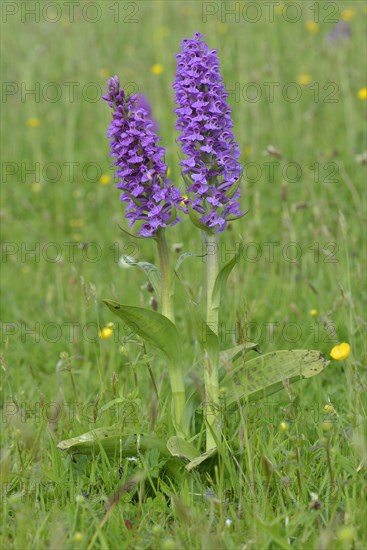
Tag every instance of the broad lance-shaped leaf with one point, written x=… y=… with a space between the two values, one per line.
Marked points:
x=181 y=448
x=198 y=460
x=151 y=326
x=232 y=354
x=114 y=443
x=264 y=375
x=221 y=280
x=207 y=338
x=150 y=270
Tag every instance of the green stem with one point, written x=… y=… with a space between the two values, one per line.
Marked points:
x=174 y=371
x=211 y=362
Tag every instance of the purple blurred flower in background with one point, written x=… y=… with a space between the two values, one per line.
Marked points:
x=142 y=102
x=141 y=169
x=204 y=122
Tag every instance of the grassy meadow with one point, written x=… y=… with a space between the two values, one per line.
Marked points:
x=299 y=110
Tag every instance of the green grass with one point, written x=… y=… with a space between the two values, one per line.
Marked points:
x=262 y=498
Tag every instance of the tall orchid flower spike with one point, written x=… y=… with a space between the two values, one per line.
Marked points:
x=149 y=196
x=212 y=174
x=211 y=169
x=151 y=199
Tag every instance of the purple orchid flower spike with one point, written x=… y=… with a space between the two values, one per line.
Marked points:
x=211 y=169
x=149 y=196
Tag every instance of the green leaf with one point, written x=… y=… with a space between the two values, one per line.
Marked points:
x=232 y=354
x=233 y=218
x=151 y=271
x=151 y=326
x=184 y=257
x=113 y=441
x=181 y=448
x=179 y=261
x=133 y=235
x=222 y=277
x=198 y=460
x=195 y=218
x=264 y=375
x=232 y=190
x=207 y=338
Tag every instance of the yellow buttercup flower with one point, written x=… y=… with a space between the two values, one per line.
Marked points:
x=313 y=312
x=33 y=122
x=304 y=79
x=328 y=408
x=78 y=537
x=105 y=179
x=340 y=352
x=157 y=69
x=105 y=333
x=283 y=426
x=362 y=93
x=312 y=27
x=347 y=15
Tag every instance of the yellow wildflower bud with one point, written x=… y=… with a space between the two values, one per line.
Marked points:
x=105 y=179
x=105 y=333
x=304 y=79
x=78 y=537
x=283 y=426
x=313 y=312
x=362 y=93
x=157 y=69
x=347 y=15
x=328 y=408
x=312 y=27
x=33 y=122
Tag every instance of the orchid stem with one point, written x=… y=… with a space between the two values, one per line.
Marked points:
x=175 y=371
x=211 y=362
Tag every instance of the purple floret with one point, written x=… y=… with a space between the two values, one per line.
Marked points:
x=141 y=170
x=204 y=121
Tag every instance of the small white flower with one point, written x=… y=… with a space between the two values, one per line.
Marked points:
x=228 y=522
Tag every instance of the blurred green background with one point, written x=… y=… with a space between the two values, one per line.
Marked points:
x=298 y=97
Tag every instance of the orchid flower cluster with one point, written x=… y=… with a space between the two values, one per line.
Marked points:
x=209 y=196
